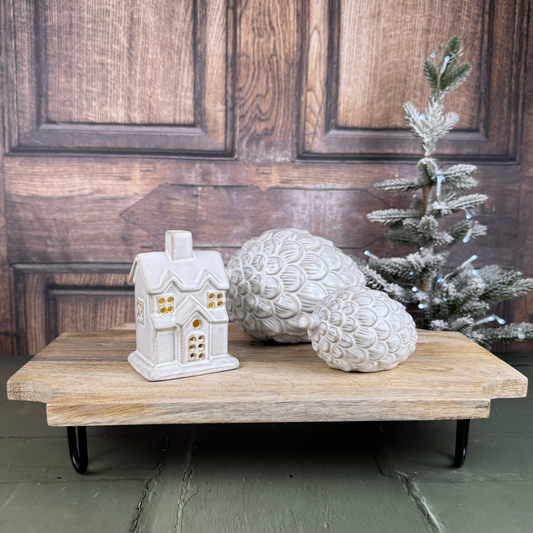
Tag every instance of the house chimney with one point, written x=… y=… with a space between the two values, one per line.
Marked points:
x=178 y=245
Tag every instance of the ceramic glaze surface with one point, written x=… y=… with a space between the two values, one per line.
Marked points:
x=182 y=322
x=276 y=277
x=361 y=329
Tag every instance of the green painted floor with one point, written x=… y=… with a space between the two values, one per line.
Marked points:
x=348 y=477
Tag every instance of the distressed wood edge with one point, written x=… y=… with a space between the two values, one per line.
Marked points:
x=31 y=391
x=62 y=414
x=126 y=326
x=507 y=387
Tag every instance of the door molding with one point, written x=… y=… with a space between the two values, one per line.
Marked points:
x=496 y=134
x=211 y=132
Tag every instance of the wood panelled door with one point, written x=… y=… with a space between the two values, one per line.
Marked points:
x=227 y=118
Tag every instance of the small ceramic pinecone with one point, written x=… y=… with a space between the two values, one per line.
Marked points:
x=361 y=329
x=276 y=277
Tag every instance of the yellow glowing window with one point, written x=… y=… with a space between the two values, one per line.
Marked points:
x=166 y=300
x=196 y=324
x=215 y=300
x=196 y=348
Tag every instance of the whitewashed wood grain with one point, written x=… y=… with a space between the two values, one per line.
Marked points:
x=85 y=379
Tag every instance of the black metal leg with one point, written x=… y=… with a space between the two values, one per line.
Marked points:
x=461 y=442
x=80 y=459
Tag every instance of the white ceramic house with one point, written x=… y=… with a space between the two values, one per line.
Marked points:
x=182 y=322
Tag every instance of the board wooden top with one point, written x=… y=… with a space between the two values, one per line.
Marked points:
x=85 y=380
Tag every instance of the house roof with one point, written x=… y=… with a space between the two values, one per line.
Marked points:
x=191 y=305
x=158 y=271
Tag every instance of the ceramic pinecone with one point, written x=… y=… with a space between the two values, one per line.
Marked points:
x=361 y=329
x=276 y=277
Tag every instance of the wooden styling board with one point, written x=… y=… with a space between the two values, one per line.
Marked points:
x=85 y=380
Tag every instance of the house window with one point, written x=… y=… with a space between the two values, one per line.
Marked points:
x=215 y=299
x=140 y=311
x=197 y=346
x=165 y=304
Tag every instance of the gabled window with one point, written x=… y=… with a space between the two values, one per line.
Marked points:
x=165 y=304
x=215 y=299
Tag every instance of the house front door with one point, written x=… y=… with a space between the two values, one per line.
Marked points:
x=196 y=332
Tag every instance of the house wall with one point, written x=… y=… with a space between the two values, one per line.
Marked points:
x=164 y=343
x=172 y=343
x=143 y=332
x=219 y=339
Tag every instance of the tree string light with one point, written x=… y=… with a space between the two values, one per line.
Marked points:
x=440 y=179
x=490 y=318
x=367 y=253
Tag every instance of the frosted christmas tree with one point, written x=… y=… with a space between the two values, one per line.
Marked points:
x=440 y=297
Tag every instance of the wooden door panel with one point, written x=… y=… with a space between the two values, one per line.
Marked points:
x=84 y=210
x=149 y=76
x=267 y=80
x=363 y=60
x=228 y=118
x=380 y=49
x=117 y=63
x=54 y=299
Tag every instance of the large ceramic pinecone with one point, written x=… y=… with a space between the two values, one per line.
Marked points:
x=276 y=277
x=361 y=329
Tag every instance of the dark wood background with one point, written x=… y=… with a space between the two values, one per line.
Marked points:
x=230 y=117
